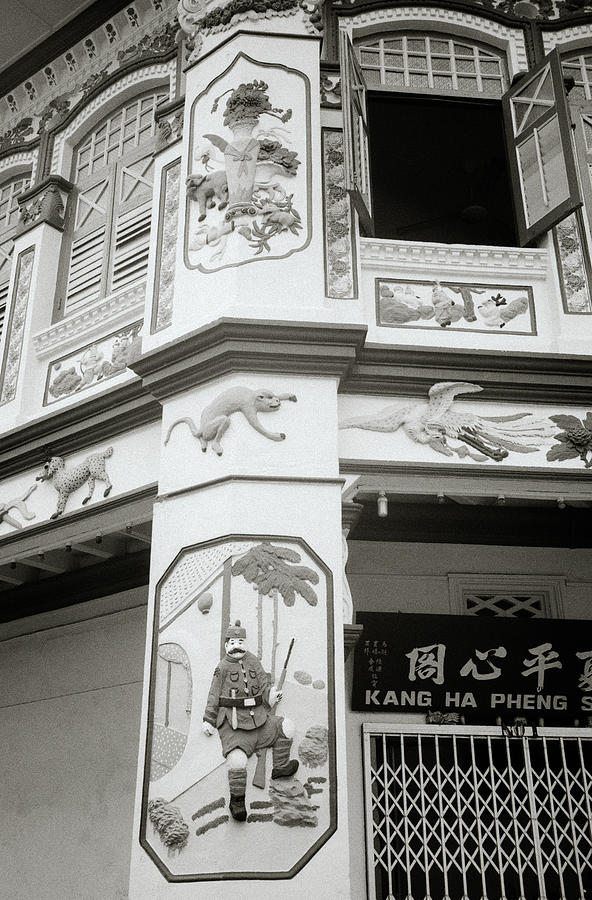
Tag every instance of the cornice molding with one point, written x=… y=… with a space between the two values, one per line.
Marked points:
x=410 y=371
x=91 y=321
x=229 y=345
x=456 y=258
x=69 y=430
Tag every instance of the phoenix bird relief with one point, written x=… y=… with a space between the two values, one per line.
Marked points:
x=438 y=420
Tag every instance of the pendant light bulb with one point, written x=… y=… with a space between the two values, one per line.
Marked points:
x=382 y=504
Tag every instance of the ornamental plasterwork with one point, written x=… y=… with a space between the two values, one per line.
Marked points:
x=196 y=22
x=568 y=38
x=18 y=161
x=480 y=28
x=340 y=272
x=92 y=321
x=457 y=259
x=44 y=97
x=446 y=424
x=166 y=251
x=95 y=363
x=248 y=188
x=457 y=306
x=573 y=277
x=17 y=318
x=138 y=79
x=273 y=809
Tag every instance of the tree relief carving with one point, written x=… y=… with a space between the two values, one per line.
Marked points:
x=260 y=771
x=248 y=196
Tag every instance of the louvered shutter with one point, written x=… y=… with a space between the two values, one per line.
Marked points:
x=6 y=253
x=540 y=149
x=2 y=313
x=355 y=132
x=91 y=205
x=131 y=221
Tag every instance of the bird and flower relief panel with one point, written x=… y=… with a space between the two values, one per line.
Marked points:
x=449 y=423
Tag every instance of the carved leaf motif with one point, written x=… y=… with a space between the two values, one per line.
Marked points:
x=566 y=421
x=562 y=451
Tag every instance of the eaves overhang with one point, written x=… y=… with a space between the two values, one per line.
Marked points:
x=411 y=371
x=229 y=345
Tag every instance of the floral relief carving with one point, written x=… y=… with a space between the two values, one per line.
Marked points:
x=340 y=274
x=573 y=276
x=195 y=22
x=330 y=85
x=16 y=325
x=90 y=365
x=249 y=195
x=574 y=439
x=167 y=238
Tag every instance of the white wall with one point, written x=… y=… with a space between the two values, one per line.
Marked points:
x=411 y=577
x=70 y=696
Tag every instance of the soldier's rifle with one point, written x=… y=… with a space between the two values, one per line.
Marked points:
x=259 y=776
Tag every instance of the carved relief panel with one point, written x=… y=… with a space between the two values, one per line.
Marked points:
x=248 y=188
x=240 y=761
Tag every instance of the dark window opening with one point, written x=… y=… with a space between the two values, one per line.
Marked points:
x=438 y=170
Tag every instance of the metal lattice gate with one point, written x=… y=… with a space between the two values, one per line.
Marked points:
x=458 y=813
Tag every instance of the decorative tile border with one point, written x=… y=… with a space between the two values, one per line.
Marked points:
x=99 y=361
x=15 y=331
x=166 y=247
x=341 y=278
x=573 y=265
x=459 y=306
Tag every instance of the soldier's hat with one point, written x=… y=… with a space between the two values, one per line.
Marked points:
x=235 y=631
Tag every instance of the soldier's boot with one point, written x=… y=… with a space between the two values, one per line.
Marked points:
x=283 y=766
x=237 y=780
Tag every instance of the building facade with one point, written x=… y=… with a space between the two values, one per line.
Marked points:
x=296 y=321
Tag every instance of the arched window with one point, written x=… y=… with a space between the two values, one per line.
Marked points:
x=437 y=63
x=109 y=214
x=9 y=216
x=437 y=151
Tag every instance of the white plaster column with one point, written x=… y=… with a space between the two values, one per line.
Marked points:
x=280 y=499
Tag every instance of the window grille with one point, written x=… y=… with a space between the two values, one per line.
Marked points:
x=109 y=220
x=579 y=67
x=514 y=596
x=456 y=811
x=426 y=63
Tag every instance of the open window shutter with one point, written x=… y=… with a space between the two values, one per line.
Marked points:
x=87 y=260
x=540 y=150
x=355 y=132
x=132 y=220
x=6 y=254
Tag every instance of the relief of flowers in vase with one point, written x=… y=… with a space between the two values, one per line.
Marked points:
x=244 y=108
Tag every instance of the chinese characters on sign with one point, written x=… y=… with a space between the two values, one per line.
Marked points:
x=414 y=662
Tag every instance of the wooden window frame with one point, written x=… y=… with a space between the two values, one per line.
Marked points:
x=111 y=174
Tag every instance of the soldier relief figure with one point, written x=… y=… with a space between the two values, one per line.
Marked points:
x=240 y=706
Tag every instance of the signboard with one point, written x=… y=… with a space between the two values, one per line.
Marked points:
x=480 y=668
